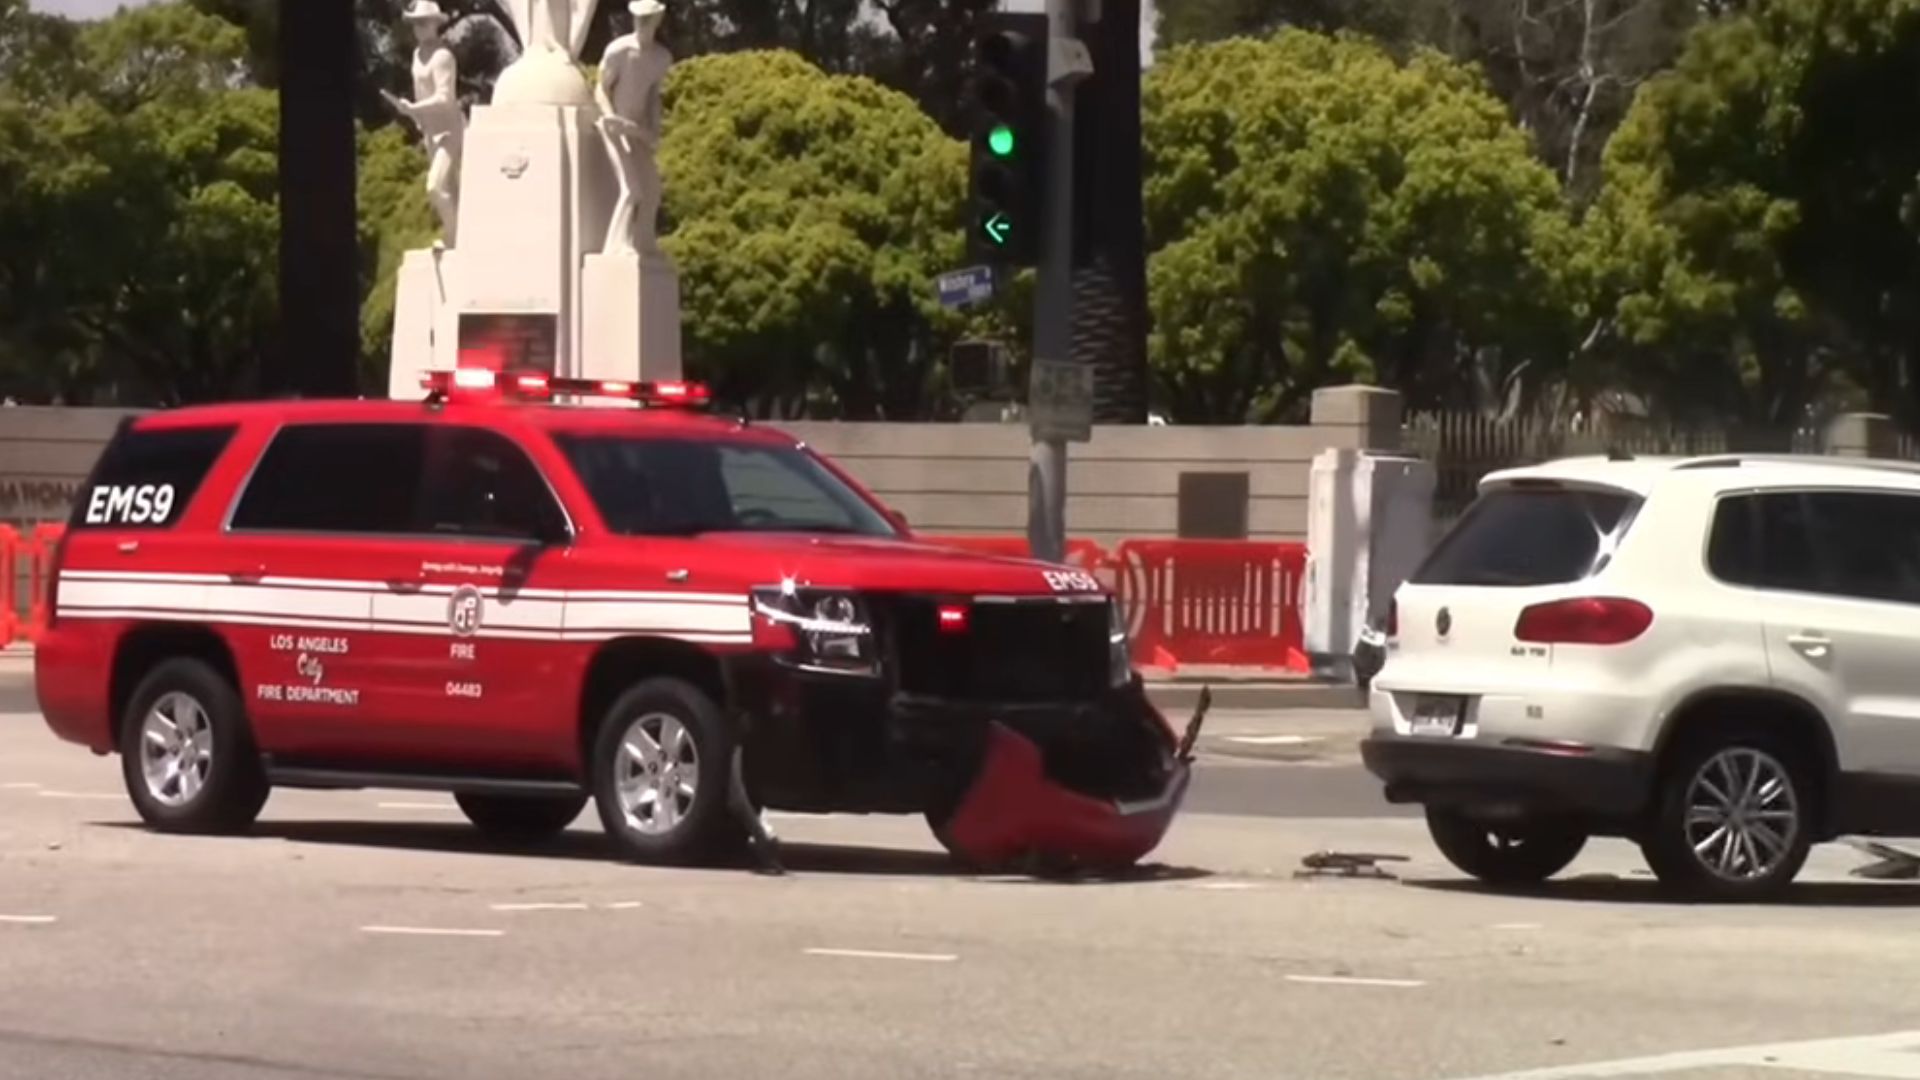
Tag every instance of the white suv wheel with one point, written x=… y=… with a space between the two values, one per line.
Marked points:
x=1743 y=814
x=1735 y=817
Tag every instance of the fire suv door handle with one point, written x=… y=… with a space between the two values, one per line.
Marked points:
x=128 y=547
x=252 y=575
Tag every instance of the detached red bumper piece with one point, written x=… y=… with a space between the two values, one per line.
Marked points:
x=1014 y=811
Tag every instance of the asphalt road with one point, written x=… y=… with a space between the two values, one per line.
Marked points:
x=371 y=935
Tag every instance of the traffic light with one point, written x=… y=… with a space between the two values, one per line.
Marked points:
x=1008 y=105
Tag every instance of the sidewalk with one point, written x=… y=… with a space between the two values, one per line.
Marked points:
x=1240 y=688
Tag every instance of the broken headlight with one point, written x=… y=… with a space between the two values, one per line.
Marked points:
x=819 y=630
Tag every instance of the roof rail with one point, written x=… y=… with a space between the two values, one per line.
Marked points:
x=1724 y=461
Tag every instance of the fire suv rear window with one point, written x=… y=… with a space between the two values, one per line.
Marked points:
x=683 y=487
x=145 y=479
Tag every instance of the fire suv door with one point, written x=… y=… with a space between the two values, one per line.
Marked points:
x=292 y=591
x=469 y=613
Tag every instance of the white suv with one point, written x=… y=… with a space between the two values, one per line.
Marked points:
x=1717 y=657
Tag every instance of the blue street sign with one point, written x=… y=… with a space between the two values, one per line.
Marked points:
x=964 y=287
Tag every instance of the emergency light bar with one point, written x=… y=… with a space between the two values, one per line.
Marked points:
x=538 y=387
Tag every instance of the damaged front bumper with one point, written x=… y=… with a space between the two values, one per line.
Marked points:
x=1015 y=812
x=1090 y=783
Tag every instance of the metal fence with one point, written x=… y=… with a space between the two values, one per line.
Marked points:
x=1465 y=447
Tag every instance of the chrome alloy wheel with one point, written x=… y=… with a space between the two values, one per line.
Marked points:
x=176 y=749
x=657 y=773
x=1743 y=814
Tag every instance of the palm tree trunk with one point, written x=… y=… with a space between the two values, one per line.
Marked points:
x=1110 y=277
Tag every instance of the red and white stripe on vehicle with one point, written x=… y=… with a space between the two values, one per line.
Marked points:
x=377 y=607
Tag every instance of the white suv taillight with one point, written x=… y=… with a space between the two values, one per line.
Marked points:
x=1588 y=620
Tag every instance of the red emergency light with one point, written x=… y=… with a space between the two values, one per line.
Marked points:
x=538 y=387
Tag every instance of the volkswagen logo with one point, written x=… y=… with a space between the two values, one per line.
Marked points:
x=1443 y=622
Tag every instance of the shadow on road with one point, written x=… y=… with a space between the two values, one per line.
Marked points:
x=1610 y=889
x=590 y=845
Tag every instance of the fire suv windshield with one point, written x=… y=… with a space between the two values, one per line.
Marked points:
x=683 y=487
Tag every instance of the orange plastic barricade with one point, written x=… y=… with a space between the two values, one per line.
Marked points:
x=9 y=585
x=1226 y=602
x=40 y=550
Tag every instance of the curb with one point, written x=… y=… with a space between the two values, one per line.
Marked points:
x=1258 y=695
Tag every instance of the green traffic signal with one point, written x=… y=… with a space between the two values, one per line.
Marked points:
x=1000 y=140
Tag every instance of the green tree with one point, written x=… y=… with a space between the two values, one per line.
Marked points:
x=1757 y=241
x=1318 y=211
x=808 y=215
x=138 y=229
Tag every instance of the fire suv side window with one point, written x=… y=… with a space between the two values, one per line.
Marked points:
x=480 y=484
x=336 y=478
x=145 y=479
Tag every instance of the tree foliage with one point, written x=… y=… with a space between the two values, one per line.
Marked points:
x=808 y=215
x=1318 y=210
x=1758 y=236
x=138 y=225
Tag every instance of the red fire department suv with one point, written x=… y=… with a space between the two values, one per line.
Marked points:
x=679 y=616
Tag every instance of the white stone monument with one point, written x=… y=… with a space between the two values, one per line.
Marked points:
x=533 y=282
x=633 y=293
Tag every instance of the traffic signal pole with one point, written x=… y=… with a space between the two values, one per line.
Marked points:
x=1053 y=294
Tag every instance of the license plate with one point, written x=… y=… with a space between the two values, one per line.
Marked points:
x=1436 y=715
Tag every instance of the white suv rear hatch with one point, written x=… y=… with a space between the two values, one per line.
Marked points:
x=1525 y=546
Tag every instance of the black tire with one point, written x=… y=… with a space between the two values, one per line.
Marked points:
x=521 y=818
x=1508 y=856
x=701 y=828
x=228 y=783
x=1669 y=843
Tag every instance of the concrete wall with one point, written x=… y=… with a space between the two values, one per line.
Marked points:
x=947 y=478
x=972 y=478
x=45 y=454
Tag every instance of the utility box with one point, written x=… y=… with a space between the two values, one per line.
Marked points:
x=1369 y=523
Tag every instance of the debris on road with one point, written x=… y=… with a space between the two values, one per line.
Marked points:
x=1184 y=753
x=1346 y=864
x=1893 y=865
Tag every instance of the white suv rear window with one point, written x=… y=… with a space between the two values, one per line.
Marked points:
x=1531 y=535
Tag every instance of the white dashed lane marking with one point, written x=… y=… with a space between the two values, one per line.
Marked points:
x=540 y=907
x=1227 y=886
x=868 y=954
x=624 y=905
x=418 y=806
x=1896 y=1056
x=29 y=920
x=1349 y=980
x=432 y=931
x=1273 y=740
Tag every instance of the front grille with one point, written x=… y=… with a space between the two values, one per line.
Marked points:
x=1016 y=652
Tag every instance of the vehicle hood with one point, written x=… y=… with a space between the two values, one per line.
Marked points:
x=889 y=565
